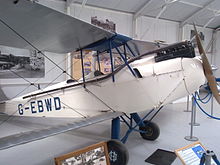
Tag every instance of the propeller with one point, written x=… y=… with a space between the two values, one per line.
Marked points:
x=207 y=68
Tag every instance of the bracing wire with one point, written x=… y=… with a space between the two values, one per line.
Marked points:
x=53 y=67
x=21 y=91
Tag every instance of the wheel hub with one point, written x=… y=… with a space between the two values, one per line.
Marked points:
x=149 y=131
x=113 y=156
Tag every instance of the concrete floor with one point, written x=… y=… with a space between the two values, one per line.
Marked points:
x=173 y=122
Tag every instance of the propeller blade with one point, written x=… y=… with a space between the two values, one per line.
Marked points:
x=207 y=68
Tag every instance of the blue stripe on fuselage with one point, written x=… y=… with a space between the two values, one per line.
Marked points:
x=39 y=106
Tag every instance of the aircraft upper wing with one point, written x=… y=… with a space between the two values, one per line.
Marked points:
x=141 y=47
x=29 y=136
x=45 y=28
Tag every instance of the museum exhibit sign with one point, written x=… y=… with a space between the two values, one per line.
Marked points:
x=96 y=154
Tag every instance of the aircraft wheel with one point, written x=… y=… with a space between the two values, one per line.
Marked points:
x=118 y=153
x=152 y=131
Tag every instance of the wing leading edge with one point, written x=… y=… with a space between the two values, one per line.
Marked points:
x=29 y=136
x=45 y=28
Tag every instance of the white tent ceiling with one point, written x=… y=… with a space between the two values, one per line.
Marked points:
x=202 y=12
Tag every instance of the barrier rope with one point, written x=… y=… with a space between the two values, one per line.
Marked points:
x=201 y=99
x=213 y=117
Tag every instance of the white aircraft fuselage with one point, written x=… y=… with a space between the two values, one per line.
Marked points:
x=161 y=83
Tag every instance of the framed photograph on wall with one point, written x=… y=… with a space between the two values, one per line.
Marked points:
x=95 y=154
x=16 y=63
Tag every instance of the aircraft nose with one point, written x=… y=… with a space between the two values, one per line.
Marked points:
x=193 y=72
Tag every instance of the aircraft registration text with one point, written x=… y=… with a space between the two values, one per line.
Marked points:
x=39 y=106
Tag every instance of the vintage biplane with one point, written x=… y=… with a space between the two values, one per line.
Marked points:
x=149 y=76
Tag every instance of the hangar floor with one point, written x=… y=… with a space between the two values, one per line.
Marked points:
x=173 y=122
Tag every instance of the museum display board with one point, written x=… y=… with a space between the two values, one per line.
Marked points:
x=96 y=154
x=191 y=154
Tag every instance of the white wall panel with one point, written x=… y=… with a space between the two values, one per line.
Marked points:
x=208 y=36
x=123 y=21
x=56 y=5
x=206 y=31
x=147 y=28
x=150 y=29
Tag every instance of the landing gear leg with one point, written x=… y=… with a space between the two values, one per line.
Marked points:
x=118 y=153
x=116 y=128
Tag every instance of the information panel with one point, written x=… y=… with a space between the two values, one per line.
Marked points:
x=191 y=154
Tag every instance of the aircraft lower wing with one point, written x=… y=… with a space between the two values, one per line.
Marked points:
x=29 y=136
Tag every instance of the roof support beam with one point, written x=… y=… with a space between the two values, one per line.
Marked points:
x=216 y=14
x=212 y=19
x=68 y=55
x=134 y=27
x=196 y=5
x=83 y=6
x=67 y=5
x=198 y=11
x=136 y=15
x=163 y=9
x=141 y=10
x=154 y=21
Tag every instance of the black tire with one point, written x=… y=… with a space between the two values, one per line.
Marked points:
x=152 y=131
x=118 y=153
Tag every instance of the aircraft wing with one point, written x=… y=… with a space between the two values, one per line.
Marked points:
x=45 y=28
x=141 y=47
x=29 y=136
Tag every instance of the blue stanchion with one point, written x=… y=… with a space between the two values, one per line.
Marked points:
x=203 y=158
x=216 y=160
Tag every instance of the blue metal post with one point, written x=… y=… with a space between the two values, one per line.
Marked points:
x=111 y=57
x=137 y=119
x=216 y=160
x=132 y=71
x=130 y=49
x=125 y=53
x=116 y=128
x=83 y=73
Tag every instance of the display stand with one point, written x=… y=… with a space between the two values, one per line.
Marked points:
x=187 y=105
x=191 y=137
x=192 y=154
x=212 y=104
x=194 y=113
